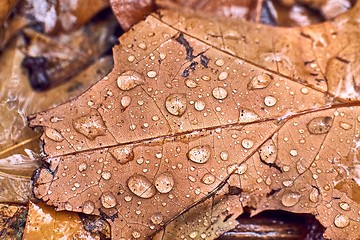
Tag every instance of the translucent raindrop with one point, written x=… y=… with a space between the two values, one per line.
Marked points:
x=129 y=80
x=164 y=182
x=108 y=200
x=199 y=154
x=53 y=134
x=91 y=126
x=141 y=186
x=176 y=104
x=260 y=81
x=319 y=125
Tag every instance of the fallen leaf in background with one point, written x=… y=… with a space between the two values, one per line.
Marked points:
x=244 y=9
x=12 y=221
x=51 y=61
x=45 y=223
x=62 y=15
x=130 y=12
x=193 y=104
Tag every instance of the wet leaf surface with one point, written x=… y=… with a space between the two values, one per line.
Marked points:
x=45 y=223
x=195 y=104
x=12 y=221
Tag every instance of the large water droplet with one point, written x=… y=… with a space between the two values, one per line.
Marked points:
x=268 y=151
x=53 y=134
x=157 y=218
x=199 y=154
x=341 y=221
x=141 y=186
x=88 y=207
x=91 y=126
x=208 y=179
x=136 y=234
x=176 y=104
x=247 y=115
x=260 y=81
x=129 y=80
x=219 y=93
x=123 y=154
x=344 y=206
x=320 y=125
x=247 y=143
x=290 y=198
x=108 y=200
x=164 y=182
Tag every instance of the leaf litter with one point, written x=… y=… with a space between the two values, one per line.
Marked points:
x=264 y=117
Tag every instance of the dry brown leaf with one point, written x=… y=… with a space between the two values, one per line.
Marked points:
x=44 y=223
x=192 y=101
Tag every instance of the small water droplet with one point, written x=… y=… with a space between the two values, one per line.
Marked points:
x=237 y=168
x=157 y=218
x=247 y=115
x=260 y=81
x=319 y=125
x=91 y=126
x=290 y=198
x=224 y=156
x=341 y=221
x=176 y=104
x=123 y=154
x=127 y=198
x=314 y=195
x=345 y=126
x=131 y=58
x=53 y=134
x=162 y=56
x=129 y=80
x=190 y=83
x=293 y=152
x=108 y=200
x=223 y=76
x=219 y=93
x=193 y=234
x=82 y=167
x=151 y=74
x=141 y=186
x=247 y=143
x=164 y=182
x=106 y=175
x=199 y=105
x=219 y=62
x=344 y=206
x=304 y=90
x=136 y=234
x=125 y=101
x=270 y=101
x=68 y=206
x=205 y=78
x=199 y=154
x=300 y=168
x=142 y=46
x=88 y=207
x=208 y=179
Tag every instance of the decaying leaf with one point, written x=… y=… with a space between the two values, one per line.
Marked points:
x=210 y=103
x=45 y=223
x=12 y=221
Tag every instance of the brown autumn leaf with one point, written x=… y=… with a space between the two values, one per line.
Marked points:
x=194 y=104
x=45 y=223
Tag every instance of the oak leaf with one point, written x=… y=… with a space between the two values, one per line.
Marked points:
x=194 y=104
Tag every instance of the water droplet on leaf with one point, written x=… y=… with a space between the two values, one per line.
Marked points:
x=341 y=221
x=53 y=134
x=129 y=80
x=91 y=126
x=88 y=207
x=123 y=154
x=176 y=104
x=164 y=182
x=108 y=200
x=260 y=81
x=141 y=186
x=219 y=93
x=199 y=154
x=290 y=198
x=319 y=125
